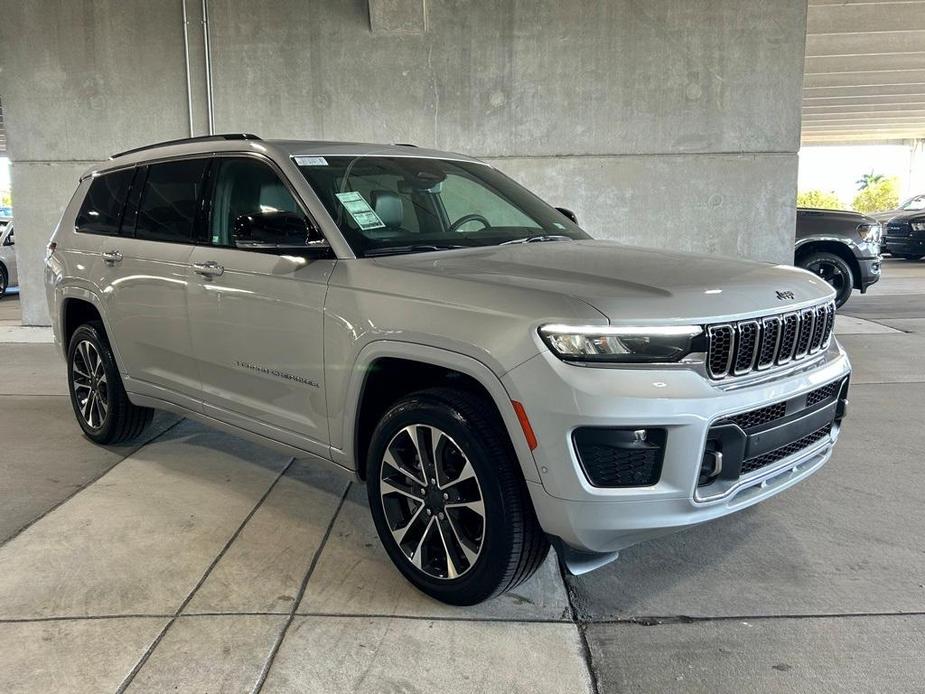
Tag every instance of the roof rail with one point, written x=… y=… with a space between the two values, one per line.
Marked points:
x=405 y=144
x=184 y=140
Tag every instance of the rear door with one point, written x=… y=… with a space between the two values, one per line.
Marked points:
x=256 y=317
x=144 y=280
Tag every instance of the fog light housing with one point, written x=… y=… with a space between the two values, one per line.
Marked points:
x=630 y=457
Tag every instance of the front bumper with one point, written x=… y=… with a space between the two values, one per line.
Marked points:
x=561 y=397
x=906 y=245
x=870 y=272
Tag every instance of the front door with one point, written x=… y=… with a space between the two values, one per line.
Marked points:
x=256 y=317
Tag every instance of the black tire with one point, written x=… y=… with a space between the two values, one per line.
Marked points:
x=512 y=546
x=908 y=256
x=4 y=280
x=834 y=270
x=121 y=421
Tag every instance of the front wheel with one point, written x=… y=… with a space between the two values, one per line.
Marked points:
x=448 y=499
x=834 y=270
x=103 y=410
x=4 y=280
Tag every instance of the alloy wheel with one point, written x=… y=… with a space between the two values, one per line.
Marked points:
x=91 y=389
x=830 y=272
x=432 y=501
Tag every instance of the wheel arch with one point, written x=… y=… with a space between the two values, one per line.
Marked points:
x=386 y=371
x=77 y=306
x=836 y=248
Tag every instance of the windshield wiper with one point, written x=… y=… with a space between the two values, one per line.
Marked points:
x=537 y=238
x=416 y=248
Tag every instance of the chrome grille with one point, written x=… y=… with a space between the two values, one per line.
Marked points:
x=737 y=349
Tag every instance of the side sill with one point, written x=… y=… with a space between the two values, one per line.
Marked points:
x=288 y=449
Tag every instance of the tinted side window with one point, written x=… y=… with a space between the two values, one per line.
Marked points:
x=244 y=187
x=168 y=202
x=101 y=211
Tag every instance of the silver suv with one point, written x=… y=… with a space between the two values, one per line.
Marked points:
x=498 y=379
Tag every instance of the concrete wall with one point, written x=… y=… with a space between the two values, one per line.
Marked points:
x=671 y=123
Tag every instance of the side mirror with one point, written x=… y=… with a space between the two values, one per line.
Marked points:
x=568 y=214
x=277 y=231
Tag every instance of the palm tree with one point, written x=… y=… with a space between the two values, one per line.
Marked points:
x=869 y=179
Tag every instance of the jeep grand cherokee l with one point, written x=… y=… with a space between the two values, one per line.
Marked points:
x=498 y=379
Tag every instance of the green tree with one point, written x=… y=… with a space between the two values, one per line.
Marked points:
x=819 y=199
x=879 y=195
x=869 y=179
x=6 y=200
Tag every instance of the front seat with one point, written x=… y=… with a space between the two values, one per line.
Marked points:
x=388 y=207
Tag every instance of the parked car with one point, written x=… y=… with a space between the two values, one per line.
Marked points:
x=841 y=247
x=914 y=204
x=499 y=380
x=905 y=234
x=8 y=276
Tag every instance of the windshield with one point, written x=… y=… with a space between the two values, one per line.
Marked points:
x=386 y=205
x=916 y=203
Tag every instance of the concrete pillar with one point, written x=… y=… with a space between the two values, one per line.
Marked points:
x=916 y=181
x=668 y=123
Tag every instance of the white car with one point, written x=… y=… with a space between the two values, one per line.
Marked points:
x=8 y=276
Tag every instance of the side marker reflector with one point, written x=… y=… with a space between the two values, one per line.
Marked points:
x=525 y=425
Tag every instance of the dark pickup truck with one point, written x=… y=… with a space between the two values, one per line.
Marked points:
x=904 y=229
x=840 y=246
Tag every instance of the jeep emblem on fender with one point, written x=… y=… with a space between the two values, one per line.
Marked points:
x=783 y=296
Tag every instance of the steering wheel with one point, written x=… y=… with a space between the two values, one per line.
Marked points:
x=469 y=218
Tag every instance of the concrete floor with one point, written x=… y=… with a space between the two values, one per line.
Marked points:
x=194 y=561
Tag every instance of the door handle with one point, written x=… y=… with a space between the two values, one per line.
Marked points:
x=112 y=256
x=208 y=269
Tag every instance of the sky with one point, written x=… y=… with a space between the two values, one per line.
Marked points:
x=837 y=168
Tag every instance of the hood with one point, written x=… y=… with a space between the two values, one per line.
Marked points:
x=906 y=215
x=885 y=216
x=834 y=216
x=630 y=284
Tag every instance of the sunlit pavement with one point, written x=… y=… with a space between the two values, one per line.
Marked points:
x=194 y=561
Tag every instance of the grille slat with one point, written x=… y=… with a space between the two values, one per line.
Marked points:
x=741 y=348
x=770 y=341
x=746 y=347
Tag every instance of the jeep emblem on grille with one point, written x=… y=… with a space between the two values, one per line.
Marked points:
x=783 y=296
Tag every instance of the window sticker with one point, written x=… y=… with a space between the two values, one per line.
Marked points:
x=311 y=161
x=360 y=210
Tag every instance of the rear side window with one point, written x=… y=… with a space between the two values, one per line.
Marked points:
x=167 y=210
x=101 y=211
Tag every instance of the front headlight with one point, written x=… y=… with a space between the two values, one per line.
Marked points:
x=870 y=232
x=918 y=225
x=626 y=344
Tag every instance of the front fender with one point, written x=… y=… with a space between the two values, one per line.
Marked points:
x=437 y=357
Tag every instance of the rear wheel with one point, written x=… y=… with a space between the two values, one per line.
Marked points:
x=4 y=280
x=448 y=499
x=98 y=397
x=834 y=270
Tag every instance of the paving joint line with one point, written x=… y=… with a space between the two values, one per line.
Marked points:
x=265 y=671
x=586 y=654
x=151 y=648
x=88 y=484
x=638 y=621
x=686 y=619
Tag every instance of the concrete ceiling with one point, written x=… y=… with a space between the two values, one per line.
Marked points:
x=864 y=78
